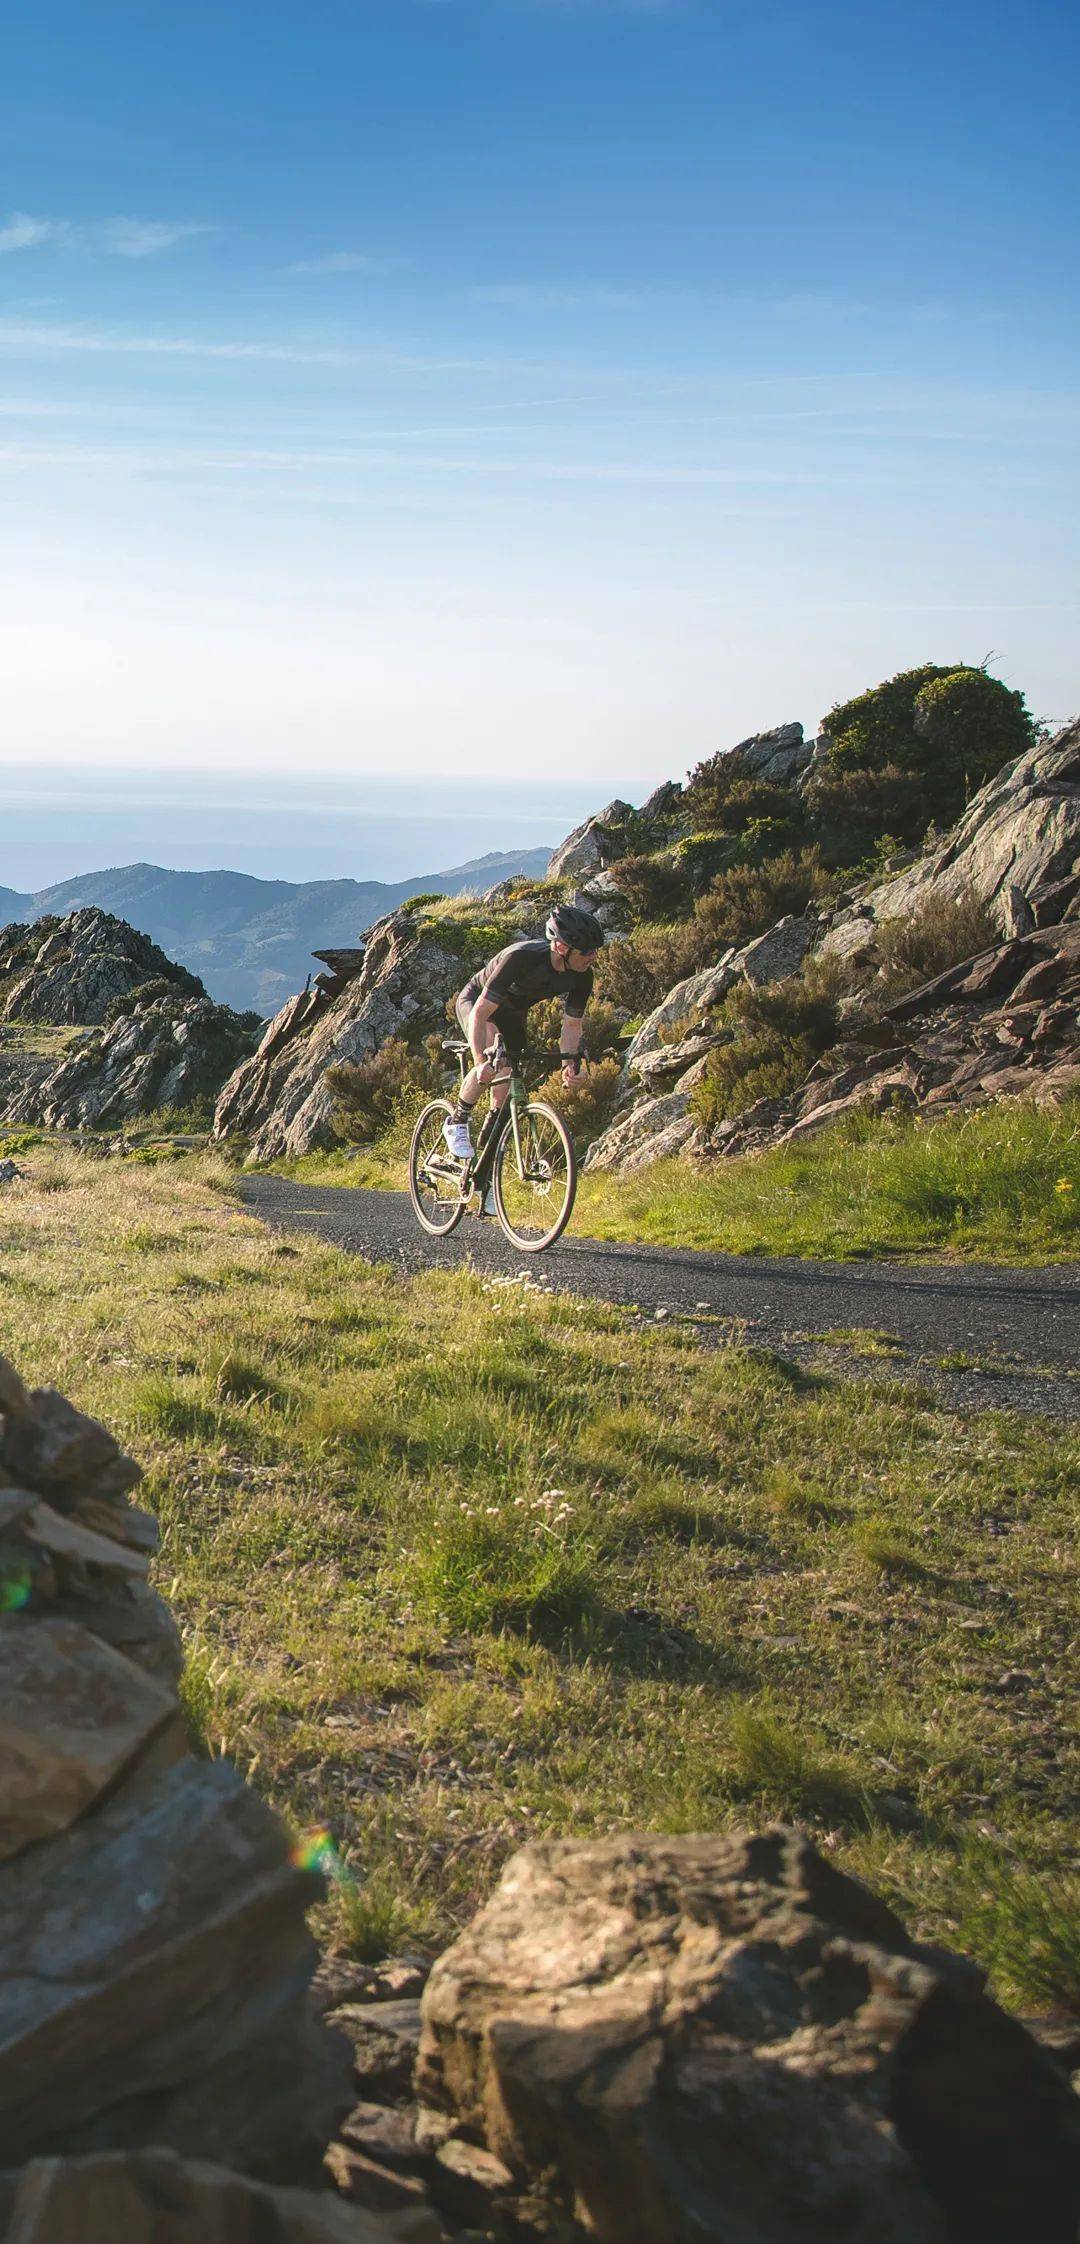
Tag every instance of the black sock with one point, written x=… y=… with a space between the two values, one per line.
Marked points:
x=462 y=1112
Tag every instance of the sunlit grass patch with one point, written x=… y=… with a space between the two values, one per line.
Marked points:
x=1024 y=1925
x=699 y=1640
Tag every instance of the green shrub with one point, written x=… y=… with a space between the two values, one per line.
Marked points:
x=974 y=724
x=945 y=728
x=585 y=1104
x=627 y=975
x=854 y=809
x=368 y=1093
x=748 y=899
x=426 y=896
x=774 y=1036
x=654 y=887
x=700 y=857
x=600 y=1035
x=939 y=933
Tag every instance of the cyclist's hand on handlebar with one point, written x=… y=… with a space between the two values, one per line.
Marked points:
x=573 y=1068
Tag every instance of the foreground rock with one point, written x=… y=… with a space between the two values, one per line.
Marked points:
x=154 y=1955
x=677 y=2040
x=154 y=2197
x=278 y=1099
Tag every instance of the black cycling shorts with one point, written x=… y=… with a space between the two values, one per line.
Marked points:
x=507 y=1023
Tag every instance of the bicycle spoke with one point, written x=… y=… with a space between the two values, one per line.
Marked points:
x=535 y=1178
x=434 y=1178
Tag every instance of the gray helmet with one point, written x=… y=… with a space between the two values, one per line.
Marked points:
x=575 y=926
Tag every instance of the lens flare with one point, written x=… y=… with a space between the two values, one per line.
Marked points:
x=315 y=1850
x=15 y=1591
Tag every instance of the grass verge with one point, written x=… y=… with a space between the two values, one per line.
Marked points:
x=1001 y=1184
x=460 y=1562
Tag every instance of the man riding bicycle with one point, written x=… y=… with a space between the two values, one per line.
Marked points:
x=493 y=1009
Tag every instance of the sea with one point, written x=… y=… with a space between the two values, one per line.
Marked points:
x=64 y=821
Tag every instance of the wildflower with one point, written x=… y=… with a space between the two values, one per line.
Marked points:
x=1064 y=1186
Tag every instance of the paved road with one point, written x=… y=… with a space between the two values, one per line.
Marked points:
x=1029 y=1319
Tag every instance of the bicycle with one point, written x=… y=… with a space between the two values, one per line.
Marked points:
x=524 y=1152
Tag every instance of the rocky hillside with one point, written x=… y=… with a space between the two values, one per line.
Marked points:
x=1001 y=1020
x=757 y=957
x=147 y=1036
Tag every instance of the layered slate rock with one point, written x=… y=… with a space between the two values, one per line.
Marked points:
x=1003 y=1025
x=166 y=1051
x=154 y=1955
x=278 y=1099
x=685 y=2039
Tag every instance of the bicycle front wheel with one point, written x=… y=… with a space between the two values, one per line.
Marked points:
x=434 y=1178
x=535 y=1178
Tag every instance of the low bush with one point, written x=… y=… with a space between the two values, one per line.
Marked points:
x=774 y=1037
x=937 y=934
x=748 y=899
x=368 y=1093
x=654 y=887
x=585 y=1104
x=949 y=729
x=852 y=809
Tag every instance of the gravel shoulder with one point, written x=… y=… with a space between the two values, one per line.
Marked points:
x=980 y=1337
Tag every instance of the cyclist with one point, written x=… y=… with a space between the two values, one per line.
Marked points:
x=493 y=1008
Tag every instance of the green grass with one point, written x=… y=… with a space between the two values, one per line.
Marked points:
x=458 y=1563
x=1000 y=1184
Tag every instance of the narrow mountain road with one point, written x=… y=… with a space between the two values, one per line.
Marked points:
x=984 y=1336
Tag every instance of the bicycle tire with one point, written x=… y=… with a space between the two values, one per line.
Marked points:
x=455 y=1208
x=527 y=1242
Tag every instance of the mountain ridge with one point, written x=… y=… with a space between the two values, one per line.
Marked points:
x=251 y=940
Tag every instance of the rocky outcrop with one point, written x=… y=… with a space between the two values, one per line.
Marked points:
x=666 y=2040
x=154 y=1957
x=167 y=1051
x=278 y=1099
x=1003 y=1025
x=595 y=844
x=73 y=972
x=665 y=1059
x=1019 y=838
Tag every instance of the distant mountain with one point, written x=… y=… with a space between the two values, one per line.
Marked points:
x=251 y=940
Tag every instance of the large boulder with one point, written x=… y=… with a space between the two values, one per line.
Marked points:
x=688 y=2039
x=596 y=843
x=154 y=2197
x=778 y=757
x=278 y=1099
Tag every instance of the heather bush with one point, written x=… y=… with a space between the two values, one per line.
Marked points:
x=774 y=1036
x=368 y=1093
x=947 y=728
x=939 y=933
x=748 y=899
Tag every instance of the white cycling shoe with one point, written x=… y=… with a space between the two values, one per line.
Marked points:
x=458 y=1141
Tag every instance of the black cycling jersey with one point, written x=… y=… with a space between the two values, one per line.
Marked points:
x=523 y=975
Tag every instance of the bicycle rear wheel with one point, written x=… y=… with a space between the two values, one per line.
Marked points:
x=534 y=1195
x=434 y=1177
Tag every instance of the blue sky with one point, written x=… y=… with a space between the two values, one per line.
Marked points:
x=474 y=387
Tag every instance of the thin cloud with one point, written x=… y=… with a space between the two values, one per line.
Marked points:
x=347 y=261
x=112 y=237
x=533 y=296
x=21 y=231
x=143 y=237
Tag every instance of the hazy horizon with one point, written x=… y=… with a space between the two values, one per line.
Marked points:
x=73 y=820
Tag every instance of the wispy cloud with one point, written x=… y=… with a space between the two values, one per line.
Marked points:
x=112 y=237
x=534 y=296
x=142 y=237
x=348 y=261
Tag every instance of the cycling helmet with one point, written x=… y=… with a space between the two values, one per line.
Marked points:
x=575 y=926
